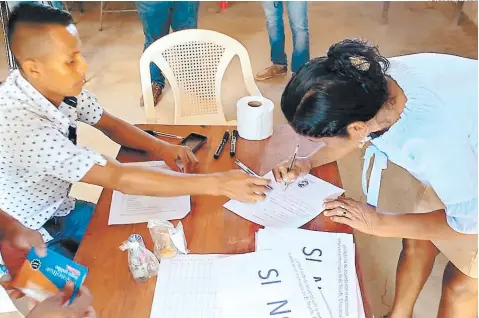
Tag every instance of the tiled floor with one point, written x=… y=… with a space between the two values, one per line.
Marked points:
x=114 y=53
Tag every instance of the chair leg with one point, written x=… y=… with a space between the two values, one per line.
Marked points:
x=82 y=7
x=385 y=13
x=101 y=16
x=457 y=13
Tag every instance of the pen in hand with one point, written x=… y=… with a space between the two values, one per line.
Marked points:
x=291 y=165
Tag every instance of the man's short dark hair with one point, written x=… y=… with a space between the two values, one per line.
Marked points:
x=36 y=14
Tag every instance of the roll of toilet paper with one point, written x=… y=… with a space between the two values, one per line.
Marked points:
x=255 y=117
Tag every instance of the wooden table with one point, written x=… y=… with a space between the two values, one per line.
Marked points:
x=209 y=227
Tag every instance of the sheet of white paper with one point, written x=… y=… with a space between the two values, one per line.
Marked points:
x=6 y=304
x=131 y=209
x=298 y=204
x=264 y=284
x=186 y=288
x=330 y=259
x=361 y=312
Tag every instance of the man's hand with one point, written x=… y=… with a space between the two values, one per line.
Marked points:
x=57 y=306
x=177 y=157
x=237 y=185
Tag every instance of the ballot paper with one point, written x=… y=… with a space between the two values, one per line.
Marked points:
x=329 y=259
x=301 y=202
x=265 y=284
x=186 y=287
x=131 y=209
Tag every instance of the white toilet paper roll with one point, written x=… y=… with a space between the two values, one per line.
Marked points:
x=255 y=117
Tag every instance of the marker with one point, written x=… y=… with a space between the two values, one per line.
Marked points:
x=234 y=138
x=222 y=144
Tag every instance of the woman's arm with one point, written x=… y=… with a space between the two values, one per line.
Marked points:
x=324 y=155
x=365 y=218
x=422 y=226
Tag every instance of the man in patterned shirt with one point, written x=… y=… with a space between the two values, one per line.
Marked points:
x=39 y=157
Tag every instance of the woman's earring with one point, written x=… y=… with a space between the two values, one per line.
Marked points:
x=361 y=143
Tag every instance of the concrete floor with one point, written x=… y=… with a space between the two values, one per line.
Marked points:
x=114 y=53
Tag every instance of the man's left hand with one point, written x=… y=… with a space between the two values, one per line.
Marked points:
x=177 y=157
x=360 y=216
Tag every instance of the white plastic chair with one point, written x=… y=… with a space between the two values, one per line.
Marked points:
x=194 y=62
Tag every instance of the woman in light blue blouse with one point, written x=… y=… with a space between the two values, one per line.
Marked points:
x=419 y=112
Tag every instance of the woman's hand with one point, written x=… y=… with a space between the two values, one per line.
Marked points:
x=360 y=216
x=302 y=166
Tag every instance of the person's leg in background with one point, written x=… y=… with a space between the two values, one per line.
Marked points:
x=298 y=20
x=459 y=294
x=185 y=15
x=414 y=268
x=274 y=22
x=68 y=231
x=156 y=19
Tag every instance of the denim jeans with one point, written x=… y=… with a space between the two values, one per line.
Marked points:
x=298 y=21
x=157 y=18
x=68 y=231
x=56 y=4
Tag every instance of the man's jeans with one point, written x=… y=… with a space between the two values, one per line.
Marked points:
x=298 y=21
x=68 y=231
x=157 y=18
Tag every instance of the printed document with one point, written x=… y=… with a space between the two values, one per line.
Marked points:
x=267 y=284
x=186 y=287
x=131 y=209
x=301 y=202
x=329 y=259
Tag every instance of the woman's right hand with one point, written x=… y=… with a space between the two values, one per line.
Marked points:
x=302 y=166
x=238 y=185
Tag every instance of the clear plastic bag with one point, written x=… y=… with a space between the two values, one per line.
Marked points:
x=168 y=241
x=142 y=262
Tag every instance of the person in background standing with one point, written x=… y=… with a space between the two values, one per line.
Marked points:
x=298 y=21
x=157 y=18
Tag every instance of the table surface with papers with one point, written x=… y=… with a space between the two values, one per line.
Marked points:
x=209 y=227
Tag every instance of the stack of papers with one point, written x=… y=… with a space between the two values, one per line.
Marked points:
x=330 y=260
x=132 y=209
x=293 y=273
x=292 y=207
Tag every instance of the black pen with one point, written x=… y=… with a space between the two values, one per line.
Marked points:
x=234 y=139
x=222 y=144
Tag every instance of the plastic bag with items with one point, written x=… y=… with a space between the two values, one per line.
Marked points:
x=143 y=263
x=168 y=240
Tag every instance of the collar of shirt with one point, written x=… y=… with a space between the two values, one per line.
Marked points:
x=31 y=98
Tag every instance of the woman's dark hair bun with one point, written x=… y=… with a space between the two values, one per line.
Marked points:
x=358 y=60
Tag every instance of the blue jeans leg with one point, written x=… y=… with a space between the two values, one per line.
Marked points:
x=274 y=23
x=156 y=19
x=298 y=20
x=185 y=15
x=71 y=227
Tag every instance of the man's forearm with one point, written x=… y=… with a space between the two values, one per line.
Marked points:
x=128 y=135
x=144 y=181
x=421 y=226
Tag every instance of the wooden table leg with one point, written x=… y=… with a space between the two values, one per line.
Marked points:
x=457 y=13
x=385 y=14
